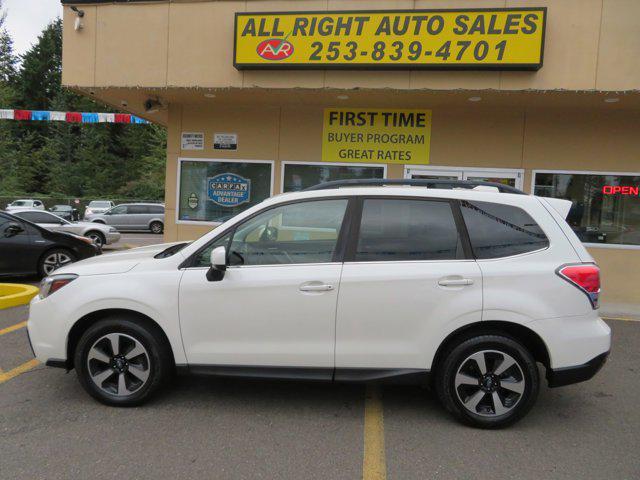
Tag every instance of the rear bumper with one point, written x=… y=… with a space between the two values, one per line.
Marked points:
x=560 y=377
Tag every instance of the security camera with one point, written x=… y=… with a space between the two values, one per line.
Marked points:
x=152 y=105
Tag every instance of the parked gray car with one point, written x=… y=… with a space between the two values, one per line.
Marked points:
x=100 y=234
x=133 y=216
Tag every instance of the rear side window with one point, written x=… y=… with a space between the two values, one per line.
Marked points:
x=38 y=217
x=497 y=230
x=400 y=229
x=156 y=209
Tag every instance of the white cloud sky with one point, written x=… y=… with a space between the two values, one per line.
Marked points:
x=27 y=18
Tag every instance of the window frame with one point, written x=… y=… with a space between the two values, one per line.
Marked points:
x=324 y=164
x=615 y=246
x=341 y=242
x=216 y=160
x=352 y=244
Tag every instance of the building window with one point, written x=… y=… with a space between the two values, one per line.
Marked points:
x=606 y=207
x=298 y=176
x=216 y=190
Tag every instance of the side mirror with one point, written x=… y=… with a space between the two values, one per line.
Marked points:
x=218 y=264
x=12 y=230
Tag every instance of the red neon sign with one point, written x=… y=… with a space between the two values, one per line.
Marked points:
x=620 y=190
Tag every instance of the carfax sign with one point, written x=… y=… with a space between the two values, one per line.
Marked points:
x=376 y=136
x=228 y=189
x=475 y=39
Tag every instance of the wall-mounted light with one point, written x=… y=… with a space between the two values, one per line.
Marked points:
x=611 y=100
x=210 y=95
x=343 y=97
x=78 y=25
x=474 y=99
x=152 y=105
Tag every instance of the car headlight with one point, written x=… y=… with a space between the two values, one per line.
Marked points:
x=88 y=211
x=112 y=230
x=54 y=283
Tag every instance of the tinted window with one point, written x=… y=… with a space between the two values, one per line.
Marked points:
x=497 y=230
x=99 y=204
x=398 y=229
x=137 y=209
x=38 y=217
x=267 y=240
x=156 y=209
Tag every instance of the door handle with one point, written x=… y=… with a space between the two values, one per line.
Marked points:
x=316 y=288
x=455 y=282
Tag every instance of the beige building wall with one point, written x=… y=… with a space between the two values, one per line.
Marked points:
x=590 y=45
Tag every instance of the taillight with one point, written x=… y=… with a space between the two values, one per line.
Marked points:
x=586 y=277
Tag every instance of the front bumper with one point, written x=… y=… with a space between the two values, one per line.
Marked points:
x=579 y=373
x=112 y=237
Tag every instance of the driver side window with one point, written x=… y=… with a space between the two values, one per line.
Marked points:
x=305 y=232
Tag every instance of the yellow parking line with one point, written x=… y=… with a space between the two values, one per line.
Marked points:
x=374 y=465
x=12 y=328
x=19 y=370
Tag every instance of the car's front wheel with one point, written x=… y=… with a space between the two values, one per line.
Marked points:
x=121 y=362
x=488 y=381
x=54 y=259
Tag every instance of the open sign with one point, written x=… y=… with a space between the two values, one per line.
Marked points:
x=620 y=190
x=275 y=49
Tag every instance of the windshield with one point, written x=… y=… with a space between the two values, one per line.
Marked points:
x=98 y=204
x=61 y=208
x=21 y=203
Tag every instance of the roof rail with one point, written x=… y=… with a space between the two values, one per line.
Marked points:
x=414 y=182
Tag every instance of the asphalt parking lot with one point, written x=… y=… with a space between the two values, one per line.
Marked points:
x=238 y=429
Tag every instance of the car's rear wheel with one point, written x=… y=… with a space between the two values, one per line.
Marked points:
x=156 y=227
x=53 y=260
x=97 y=238
x=488 y=381
x=121 y=362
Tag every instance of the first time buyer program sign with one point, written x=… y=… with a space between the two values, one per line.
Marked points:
x=474 y=39
x=376 y=136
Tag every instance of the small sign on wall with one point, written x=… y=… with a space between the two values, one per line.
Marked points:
x=225 y=141
x=192 y=141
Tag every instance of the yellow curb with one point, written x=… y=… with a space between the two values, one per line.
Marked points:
x=13 y=328
x=14 y=294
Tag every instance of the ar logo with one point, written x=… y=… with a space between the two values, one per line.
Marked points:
x=275 y=49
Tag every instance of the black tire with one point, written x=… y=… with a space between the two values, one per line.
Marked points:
x=97 y=237
x=486 y=413
x=44 y=263
x=156 y=227
x=158 y=361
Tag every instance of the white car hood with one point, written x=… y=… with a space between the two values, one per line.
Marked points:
x=119 y=262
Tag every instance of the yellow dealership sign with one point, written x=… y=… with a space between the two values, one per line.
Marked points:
x=376 y=136
x=501 y=39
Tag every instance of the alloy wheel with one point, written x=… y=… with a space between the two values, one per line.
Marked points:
x=118 y=364
x=489 y=383
x=96 y=238
x=55 y=260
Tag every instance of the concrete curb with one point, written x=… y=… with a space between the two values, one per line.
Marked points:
x=15 y=294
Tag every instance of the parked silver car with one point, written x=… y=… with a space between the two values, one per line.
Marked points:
x=133 y=216
x=100 y=234
x=25 y=203
x=97 y=206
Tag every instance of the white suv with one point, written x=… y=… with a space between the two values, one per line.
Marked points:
x=467 y=289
